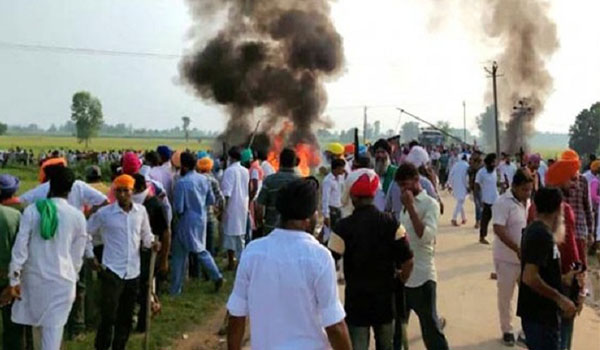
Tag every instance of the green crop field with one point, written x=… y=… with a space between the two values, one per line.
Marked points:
x=45 y=143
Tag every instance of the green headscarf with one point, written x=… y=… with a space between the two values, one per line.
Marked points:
x=48 y=218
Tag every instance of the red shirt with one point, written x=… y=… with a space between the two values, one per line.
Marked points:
x=569 y=250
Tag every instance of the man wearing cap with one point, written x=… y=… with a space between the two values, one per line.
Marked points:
x=234 y=185
x=124 y=227
x=9 y=185
x=420 y=218
x=594 y=185
x=191 y=197
x=267 y=198
x=286 y=283
x=375 y=251
x=13 y=335
x=46 y=258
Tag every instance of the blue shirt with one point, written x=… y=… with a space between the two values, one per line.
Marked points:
x=191 y=197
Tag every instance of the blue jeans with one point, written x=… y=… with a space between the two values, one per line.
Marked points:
x=541 y=336
x=478 y=206
x=566 y=333
x=360 y=336
x=178 y=260
x=422 y=300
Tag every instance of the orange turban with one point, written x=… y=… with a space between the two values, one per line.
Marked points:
x=205 y=164
x=176 y=159
x=564 y=169
x=50 y=162
x=124 y=181
x=595 y=165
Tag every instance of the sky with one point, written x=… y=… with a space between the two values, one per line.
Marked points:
x=412 y=54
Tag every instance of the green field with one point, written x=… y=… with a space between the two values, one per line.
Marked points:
x=45 y=143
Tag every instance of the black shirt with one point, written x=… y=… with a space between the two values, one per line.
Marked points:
x=372 y=251
x=538 y=248
x=158 y=221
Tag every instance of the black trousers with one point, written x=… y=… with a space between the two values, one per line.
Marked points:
x=486 y=217
x=14 y=336
x=422 y=300
x=118 y=297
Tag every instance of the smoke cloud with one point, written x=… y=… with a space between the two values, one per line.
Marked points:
x=529 y=38
x=269 y=61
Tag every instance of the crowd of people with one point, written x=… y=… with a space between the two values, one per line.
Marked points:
x=367 y=218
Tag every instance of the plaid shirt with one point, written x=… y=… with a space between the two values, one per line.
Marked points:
x=579 y=199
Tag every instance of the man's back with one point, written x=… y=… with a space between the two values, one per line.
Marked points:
x=286 y=283
x=9 y=225
x=268 y=195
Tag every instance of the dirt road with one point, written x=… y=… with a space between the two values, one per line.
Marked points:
x=466 y=297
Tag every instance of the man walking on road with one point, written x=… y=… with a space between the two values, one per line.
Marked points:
x=486 y=184
x=288 y=277
x=459 y=183
x=372 y=245
x=509 y=215
x=420 y=218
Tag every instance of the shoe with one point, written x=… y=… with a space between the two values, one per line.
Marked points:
x=476 y=225
x=483 y=241
x=464 y=221
x=521 y=341
x=219 y=284
x=508 y=339
x=454 y=223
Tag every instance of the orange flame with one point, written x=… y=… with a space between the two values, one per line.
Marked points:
x=308 y=155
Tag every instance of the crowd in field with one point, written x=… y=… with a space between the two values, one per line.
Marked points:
x=380 y=206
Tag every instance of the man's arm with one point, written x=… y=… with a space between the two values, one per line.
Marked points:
x=501 y=233
x=415 y=219
x=405 y=270
x=531 y=277
x=338 y=336
x=235 y=332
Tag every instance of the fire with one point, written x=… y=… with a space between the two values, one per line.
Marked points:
x=308 y=155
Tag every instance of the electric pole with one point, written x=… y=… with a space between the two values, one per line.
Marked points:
x=494 y=73
x=365 y=127
x=464 y=122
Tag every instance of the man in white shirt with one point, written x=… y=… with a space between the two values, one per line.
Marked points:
x=507 y=170
x=458 y=180
x=235 y=185
x=46 y=259
x=486 y=184
x=286 y=283
x=123 y=227
x=331 y=197
x=420 y=219
x=267 y=168
x=160 y=171
x=509 y=215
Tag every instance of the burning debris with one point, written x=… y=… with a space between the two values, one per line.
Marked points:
x=269 y=61
x=529 y=38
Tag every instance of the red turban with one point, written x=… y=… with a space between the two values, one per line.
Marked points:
x=131 y=163
x=564 y=169
x=349 y=148
x=365 y=185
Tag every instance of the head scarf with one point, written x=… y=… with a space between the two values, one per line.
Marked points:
x=595 y=165
x=246 y=156
x=534 y=158
x=131 y=163
x=564 y=169
x=50 y=162
x=383 y=144
x=363 y=183
x=176 y=159
x=417 y=156
x=201 y=154
x=335 y=148
x=48 y=218
x=125 y=181
x=164 y=151
x=362 y=150
x=205 y=164
x=8 y=184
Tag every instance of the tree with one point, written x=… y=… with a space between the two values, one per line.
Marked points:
x=584 y=134
x=410 y=131
x=86 y=112
x=3 y=128
x=186 y=124
x=487 y=128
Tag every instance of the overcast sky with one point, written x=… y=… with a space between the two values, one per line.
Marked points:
x=395 y=57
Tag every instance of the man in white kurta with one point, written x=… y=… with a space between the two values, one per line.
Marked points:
x=235 y=217
x=458 y=180
x=44 y=269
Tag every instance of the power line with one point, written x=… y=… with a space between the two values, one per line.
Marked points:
x=86 y=51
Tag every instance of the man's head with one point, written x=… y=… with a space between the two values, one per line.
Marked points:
x=188 y=162
x=297 y=204
x=595 y=167
x=338 y=166
x=61 y=182
x=164 y=153
x=246 y=157
x=407 y=178
x=93 y=174
x=382 y=150
x=261 y=154
x=9 y=185
x=490 y=162
x=562 y=172
x=50 y=165
x=363 y=186
x=287 y=158
x=153 y=159
x=533 y=162
x=140 y=183
x=204 y=165
x=522 y=185
x=548 y=204
x=235 y=154
x=123 y=186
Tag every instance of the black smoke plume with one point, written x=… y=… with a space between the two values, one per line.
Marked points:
x=269 y=61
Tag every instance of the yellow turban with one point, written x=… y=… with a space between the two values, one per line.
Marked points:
x=595 y=165
x=204 y=165
x=336 y=148
x=124 y=181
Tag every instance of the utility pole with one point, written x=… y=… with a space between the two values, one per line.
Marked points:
x=365 y=127
x=494 y=73
x=464 y=122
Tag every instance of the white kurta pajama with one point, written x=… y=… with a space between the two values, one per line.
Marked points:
x=47 y=270
x=459 y=182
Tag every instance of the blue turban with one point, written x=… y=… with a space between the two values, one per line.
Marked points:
x=362 y=150
x=8 y=184
x=164 y=151
x=201 y=154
